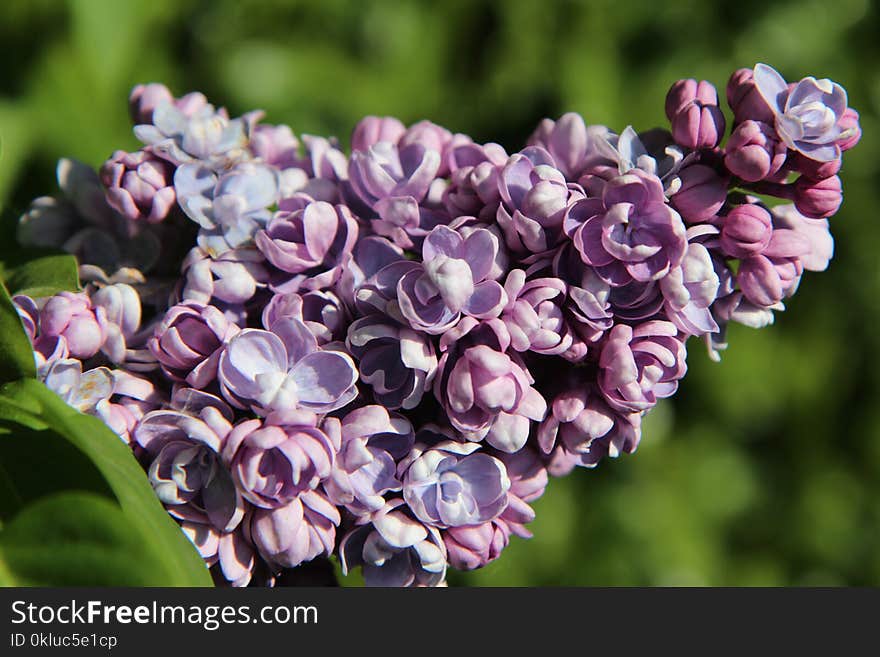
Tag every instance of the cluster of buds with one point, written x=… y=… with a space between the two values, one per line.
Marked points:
x=383 y=355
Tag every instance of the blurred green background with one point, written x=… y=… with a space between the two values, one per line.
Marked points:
x=765 y=469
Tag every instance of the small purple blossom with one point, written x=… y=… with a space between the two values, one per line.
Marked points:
x=285 y=369
x=640 y=365
x=395 y=549
x=139 y=185
x=273 y=462
x=452 y=279
x=452 y=484
x=807 y=116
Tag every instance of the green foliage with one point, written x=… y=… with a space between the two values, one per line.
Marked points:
x=16 y=355
x=765 y=469
x=56 y=463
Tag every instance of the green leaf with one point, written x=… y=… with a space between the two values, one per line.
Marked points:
x=79 y=539
x=176 y=561
x=41 y=276
x=16 y=353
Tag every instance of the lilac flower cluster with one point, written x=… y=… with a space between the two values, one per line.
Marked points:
x=383 y=355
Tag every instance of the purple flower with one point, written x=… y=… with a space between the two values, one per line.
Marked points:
x=473 y=185
x=299 y=531
x=534 y=196
x=397 y=362
x=187 y=473
x=395 y=549
x=183 y=132
x=188 y=340
x=765 y=279
x=692 y=107
x=638 y=366
x=582 y=428
x=275 y=145
x=631 y=233
x=452 y=484
x=139 y=185
x=232 y=277
x=231 y=552
x=392 y=182
x=474 y=546
x=689 y=291
x=371 y=130
x=754 y=151
x=229 y=208
x=534 y=316
x=314 y=243
x=322 y=311
x=285 y=369
x=452 y=279
x=807 y=116
x=372 y=441
x=479 y=383
x=122 y=313
x=820 y=243
x=133 y=397
x=274 y=461
x=569 y=142
x=72 y=316
x=85 y=391
x=143 y=100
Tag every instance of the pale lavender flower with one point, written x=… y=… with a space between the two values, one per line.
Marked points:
x=689 y=290
x=195 y=131
x=84 y=391
x=285 y=369
x=477 y=383
x=639 y=365
x=820 y=243
x=397 y=362
x=473 y=186
x=453 y=484
x=233 y=277
x=322 y=311
x=275 y=145
x=392 y=182
x=807 y=116
x=275 y=460
x=133 y=397
x=452 y=279
x=299 y=531
x=371 y=130
x=230 y=208
x=395 y=549
x=122 y=312
x=765 y=279
x=372 y=441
